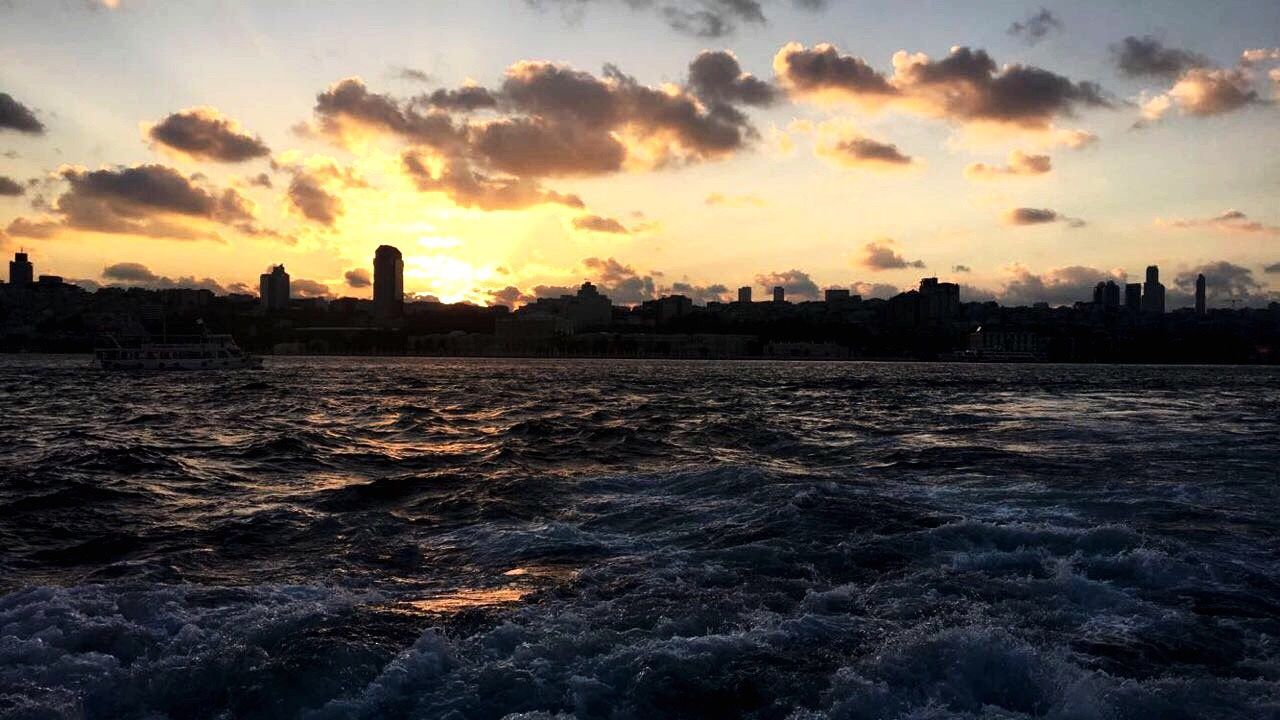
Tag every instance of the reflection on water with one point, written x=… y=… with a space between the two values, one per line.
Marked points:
x=480 y=539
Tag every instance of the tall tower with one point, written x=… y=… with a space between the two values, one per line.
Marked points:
x=273 y=287
x=744 y=294
x=779 y=294
x=21 y=271
x=388 y=282
x=1133 y=296
x=1153 y=292
x=1200 y=288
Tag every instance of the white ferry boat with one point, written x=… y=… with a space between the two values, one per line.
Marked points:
x=198 y=352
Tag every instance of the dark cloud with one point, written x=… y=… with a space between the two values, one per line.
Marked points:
x=535 y=147
x=203 y=133
x=468 y=188
x=16 y=116
x=1019 y=164
x=1061 y=286
x=1039 y=216
x=358 y=278
x=882 y=291
x=861 y=151
x=464 y=99
x=1224 y=281
x=822 y=69
x=961 y=269
x=965 y=86
x=1272 y=268
x=797 y=284
x=715 y=292
x=309 y=198
x=1229 y=221
x=878 y=255
x=402 y=72
x=715 y=76
x=347 y=106
x=1037 y=27
x=1145 y=56
x=132 y=274
x=621 y=282
x=261 y=180
x=598 y=224
x=150 y=200
x=10 y=187
x=698 y=18
x=510 y=296
x=303 y=288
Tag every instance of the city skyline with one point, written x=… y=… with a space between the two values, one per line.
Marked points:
x=1028 y=163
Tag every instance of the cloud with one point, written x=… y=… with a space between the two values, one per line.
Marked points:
x=1039 y=216
x=1252 y=57
x=961 y=269
x=1036 y=27
x=402 y=72
x=204 y=133
x=10 y=187
x=878 y=255
x=857 y=151
x=598 y=224
x=797 y=284
x=1147 y=56
x=715 y=76
x=300 y=287
x=313 y=192
x=716 y=199
x=868 y=290
x=149 y=200
x=1224 y=281
x=621 y=282
x=358 y=278
x=1229 y=221
x=471 y=189
x=698 y=18
x=1019 y=164
x=965 y=87
x=468 y=98
x=346 y=110
x=703 y=294
x=16 y=116
x=1060 y=286
x=1204 y=92
x=133 y=274
x=509 y=296
x=1272 y=268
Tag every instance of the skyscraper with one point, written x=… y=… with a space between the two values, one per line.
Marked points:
x=1153 y=291
x=388 y=282
x=1200 y=288
x=744 y=294
x=273 y=287
x=21 y=271
x=1133 y=296
x=1111 y=294
x=779 y=294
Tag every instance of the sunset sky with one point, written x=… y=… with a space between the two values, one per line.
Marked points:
x=512 y=148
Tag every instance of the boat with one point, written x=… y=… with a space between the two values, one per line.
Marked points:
x=196 y=352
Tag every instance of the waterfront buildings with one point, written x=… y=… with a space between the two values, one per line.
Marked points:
x=388 y=283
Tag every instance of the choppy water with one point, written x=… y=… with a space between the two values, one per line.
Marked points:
x=479 y=539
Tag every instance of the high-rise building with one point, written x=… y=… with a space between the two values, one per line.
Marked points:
x=1133 y=296
x=744 y=294
x=1200 y=292
x=837 y=295
x=1153 y=291
x=273 y=287
x=938 y=300
x=388 y=282
x=1111 y=294
x=21 y=271
x=1098 y=291
x=779 y=294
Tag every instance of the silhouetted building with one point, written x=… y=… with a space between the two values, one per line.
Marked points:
x=938 y=301
x=1133 y=296
x=1106 y=294
x=744 y=294
x=273 y=287
x=837 y=295
x=388 y=282
x=21 y=271
x=1200 y=288
x=779 y=294
x=1153 y=292
x=588 y=309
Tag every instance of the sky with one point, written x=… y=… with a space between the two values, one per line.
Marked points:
x=515 y=148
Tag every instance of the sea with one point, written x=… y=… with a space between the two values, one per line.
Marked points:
x=487 y=538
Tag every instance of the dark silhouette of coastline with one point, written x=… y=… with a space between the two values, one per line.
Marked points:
x=45 y=314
